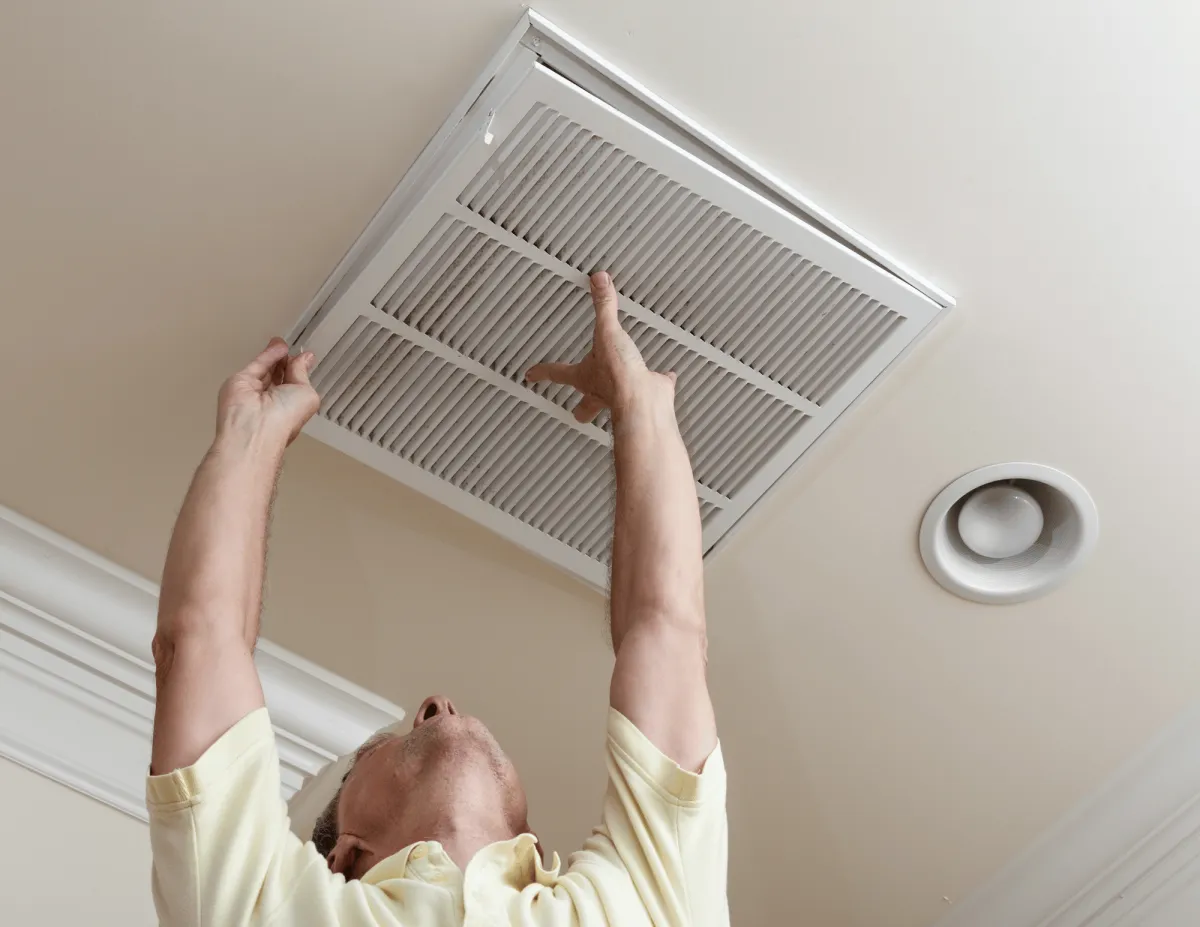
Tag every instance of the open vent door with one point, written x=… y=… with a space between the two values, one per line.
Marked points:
x=773 y=327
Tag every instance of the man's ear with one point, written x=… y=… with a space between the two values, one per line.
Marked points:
x=345 y=854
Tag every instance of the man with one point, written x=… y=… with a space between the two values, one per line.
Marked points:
x=429 y=829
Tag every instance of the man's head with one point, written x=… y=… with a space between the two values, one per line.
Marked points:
x=446 y=780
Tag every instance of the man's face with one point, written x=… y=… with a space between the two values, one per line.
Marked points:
x=405 y=788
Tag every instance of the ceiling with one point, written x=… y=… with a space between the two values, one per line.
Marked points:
x=177 y=180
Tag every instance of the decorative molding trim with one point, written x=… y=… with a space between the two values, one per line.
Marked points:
x=1118 y=858
x=77 y=678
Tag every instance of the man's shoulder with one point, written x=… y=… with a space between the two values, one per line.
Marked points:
x=232 y=754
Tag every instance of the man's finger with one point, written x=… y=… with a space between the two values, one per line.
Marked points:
x=589 y=407
x=275 y=351
x=604 y=298
x=567 y=374
x=299 y=367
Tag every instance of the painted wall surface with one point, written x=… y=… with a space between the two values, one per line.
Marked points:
x=67 y=860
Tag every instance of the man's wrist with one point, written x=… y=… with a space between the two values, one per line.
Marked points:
x=653 y=402
x=243 y=445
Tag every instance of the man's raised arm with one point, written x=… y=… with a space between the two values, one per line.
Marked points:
x=211 y=595
x=657 y=598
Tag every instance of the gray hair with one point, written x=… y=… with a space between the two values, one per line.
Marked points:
x=325 y=830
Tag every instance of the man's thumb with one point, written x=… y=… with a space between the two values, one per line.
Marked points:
x=299 y=367
x=604 y=296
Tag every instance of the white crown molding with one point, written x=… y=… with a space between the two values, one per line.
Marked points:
x=77 y=679
x=1128 y=855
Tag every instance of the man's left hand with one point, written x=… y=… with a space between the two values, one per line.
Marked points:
x=270 y=398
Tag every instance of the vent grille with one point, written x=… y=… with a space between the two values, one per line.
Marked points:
x=587 y=203
x=476 y=270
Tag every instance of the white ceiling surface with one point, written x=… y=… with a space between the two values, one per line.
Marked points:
x=1178 y=910
x=176 y=182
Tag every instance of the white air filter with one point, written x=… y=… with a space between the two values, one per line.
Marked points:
x=774 y=317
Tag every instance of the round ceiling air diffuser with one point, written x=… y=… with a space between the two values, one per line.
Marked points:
x=1008 y=532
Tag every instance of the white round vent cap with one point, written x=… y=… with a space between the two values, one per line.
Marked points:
x=1008 y=532
x=1000 y=520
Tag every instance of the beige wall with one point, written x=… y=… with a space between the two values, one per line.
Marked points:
x=67 y=860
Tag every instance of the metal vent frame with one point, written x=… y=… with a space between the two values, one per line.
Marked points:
x=536 y=64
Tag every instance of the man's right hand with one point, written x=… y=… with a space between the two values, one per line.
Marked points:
x=269 y=399
x=657 y=590
x=613 y=374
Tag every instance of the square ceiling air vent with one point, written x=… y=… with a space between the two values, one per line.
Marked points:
x=774 y=316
